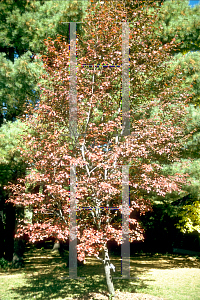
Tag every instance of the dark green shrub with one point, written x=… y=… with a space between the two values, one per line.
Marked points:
x=4 y=264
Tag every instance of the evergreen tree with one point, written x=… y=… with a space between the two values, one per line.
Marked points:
x=178 y=18
x=11 y=164
x=18 y=85
x=11 y=167
x=23 y=26
x=188 y=215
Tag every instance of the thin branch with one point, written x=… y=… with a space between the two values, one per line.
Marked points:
x=83 y=155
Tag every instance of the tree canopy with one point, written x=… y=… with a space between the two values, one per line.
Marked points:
x=24 y=25
x=178 y=18
x=97 y=153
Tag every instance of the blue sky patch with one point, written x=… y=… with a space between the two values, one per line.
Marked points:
x=194 y=2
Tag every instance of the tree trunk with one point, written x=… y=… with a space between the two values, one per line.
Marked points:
x=109 y=281
x=9 y=231
x=19 y=244
x=1 y=235
x=56 y=248
x=19 y=248
x=198 y=242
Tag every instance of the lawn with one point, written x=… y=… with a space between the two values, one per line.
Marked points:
x=44 y=277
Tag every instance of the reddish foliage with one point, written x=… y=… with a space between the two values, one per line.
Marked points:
x=100 y=153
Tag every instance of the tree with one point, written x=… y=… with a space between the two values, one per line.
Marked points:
x=188 y=214
x=24 y=25
x=190 y=223
x=11 y=163
x=189 y=66
x=18 y=84
x=12 y=166
x=178 y=18
x=99 y=150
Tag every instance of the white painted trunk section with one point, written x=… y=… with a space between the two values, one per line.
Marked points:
x=109 y=281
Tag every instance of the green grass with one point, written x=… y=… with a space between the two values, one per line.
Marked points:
x=169 y=276
x=175 y=284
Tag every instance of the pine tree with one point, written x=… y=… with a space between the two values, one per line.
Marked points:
x=24 y=25
x=178 y=18
x=12 y=166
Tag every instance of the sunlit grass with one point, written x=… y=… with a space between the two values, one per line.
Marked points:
x=180 y=283
x=45 y=277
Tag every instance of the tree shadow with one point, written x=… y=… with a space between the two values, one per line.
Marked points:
x=46 y=274
x=165 y=261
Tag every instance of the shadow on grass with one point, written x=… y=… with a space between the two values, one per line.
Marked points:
x=164 y=261
x=44 y=272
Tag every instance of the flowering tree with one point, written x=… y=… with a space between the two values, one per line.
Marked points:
x=100 y=149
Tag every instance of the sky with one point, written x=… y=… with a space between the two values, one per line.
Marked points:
x=194 y=2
